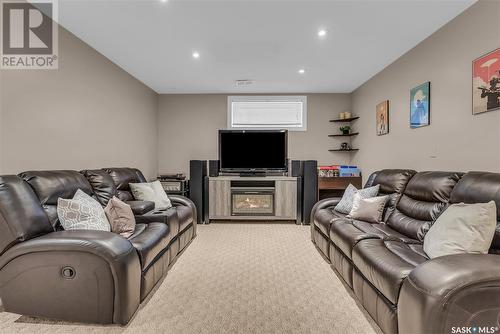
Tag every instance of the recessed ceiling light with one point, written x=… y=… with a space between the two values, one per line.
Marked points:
x=322 y=33
x=196 y=55
x=302 y=71
x=163 y=0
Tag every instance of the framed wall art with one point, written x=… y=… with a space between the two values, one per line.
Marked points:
x=420 y=105
x=486 y=83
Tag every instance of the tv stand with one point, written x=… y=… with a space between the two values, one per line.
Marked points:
x=256 y=198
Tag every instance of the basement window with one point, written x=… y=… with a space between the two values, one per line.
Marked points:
x=267 y=112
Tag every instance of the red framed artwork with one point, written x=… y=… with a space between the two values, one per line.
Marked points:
x=486 y=83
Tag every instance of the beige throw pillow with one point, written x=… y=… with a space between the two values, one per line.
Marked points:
x=152 y=192
x=368 y=209
x=462 y=228
x=120 y=217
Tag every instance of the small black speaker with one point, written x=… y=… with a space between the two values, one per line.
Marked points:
x=213 y=168
x=197 y=175
x=296 y=166
x=309 y=188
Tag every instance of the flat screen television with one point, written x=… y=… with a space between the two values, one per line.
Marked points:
x=253 y=150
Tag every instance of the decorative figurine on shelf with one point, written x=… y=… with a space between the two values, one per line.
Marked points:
x=345 y=147
x=345 y=129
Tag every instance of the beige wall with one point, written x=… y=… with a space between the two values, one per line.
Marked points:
x=455 y=140
x=188 y=129
x=88 y=114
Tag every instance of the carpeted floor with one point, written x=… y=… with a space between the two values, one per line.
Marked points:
x=236 y=278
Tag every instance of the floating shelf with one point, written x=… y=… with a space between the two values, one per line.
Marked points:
x=352 y=149
x=345 y=120
x=341 y=135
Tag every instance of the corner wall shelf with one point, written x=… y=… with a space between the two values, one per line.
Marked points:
x=348 y=135
x=351 y=150
x=345 y=120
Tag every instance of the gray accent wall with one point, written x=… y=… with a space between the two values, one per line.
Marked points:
x=455 y=140
x=89 y=113
x=188 y=129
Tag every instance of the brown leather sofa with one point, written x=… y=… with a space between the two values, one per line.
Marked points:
x=384 y=264
x=79 y=275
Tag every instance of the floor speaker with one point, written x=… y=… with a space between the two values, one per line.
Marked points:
x=296 y=168
x=213 y=168
x=309 y=188
x=197 y=187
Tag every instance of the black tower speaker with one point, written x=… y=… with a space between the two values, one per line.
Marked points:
x=310 y=188
x=213 y=168
x=296 y=168
x=197 y=187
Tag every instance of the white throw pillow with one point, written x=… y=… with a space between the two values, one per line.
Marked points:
x=368 y=209
x=462 y=228
x=82 y=213
x=345 y=204
x=153 y=192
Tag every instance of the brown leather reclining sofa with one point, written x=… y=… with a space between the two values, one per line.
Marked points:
x=81 y=275
x=384 y=264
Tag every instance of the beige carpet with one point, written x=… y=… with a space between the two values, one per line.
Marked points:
x=236 y=278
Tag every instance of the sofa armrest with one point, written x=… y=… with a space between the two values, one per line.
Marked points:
x=78 y=275
x=451 y=291
x=324 y=203
x=178 y=200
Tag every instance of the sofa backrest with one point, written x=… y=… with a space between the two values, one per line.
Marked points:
x=50 y=185
x=392 y=183
x=122 y=177
x=21 y=215
x=425 y=197
x=480 y=187
x=102 y=184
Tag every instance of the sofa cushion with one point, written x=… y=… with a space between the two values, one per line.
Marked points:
x=462 y=228
x=382 y=231
x=324 y=217
x=185 y=216
x=102 y=184
x=344 y=235
x=425 y=197
x=122 y=176
x=141 y=207
x=49 y=186
x=387 y=263
x=150 y=240
x=480 y=187
x=21 y=215
x=392 y=182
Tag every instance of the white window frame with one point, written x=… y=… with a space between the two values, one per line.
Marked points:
x=270 y=98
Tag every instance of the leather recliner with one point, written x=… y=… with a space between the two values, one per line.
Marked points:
x=77 y=275
x=400 y=287
x=181 y=217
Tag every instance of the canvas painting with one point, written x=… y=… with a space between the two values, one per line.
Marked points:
x=486 y=83
x=420 y=103
x=382 y=115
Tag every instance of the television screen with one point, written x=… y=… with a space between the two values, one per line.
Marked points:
x=247 y=150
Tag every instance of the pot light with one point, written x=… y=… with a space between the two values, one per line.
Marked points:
x=196 y=55
x=322 y=33
x=302 y=71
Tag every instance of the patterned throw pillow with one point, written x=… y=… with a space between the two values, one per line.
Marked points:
x=82 y=213
x=345 y=204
